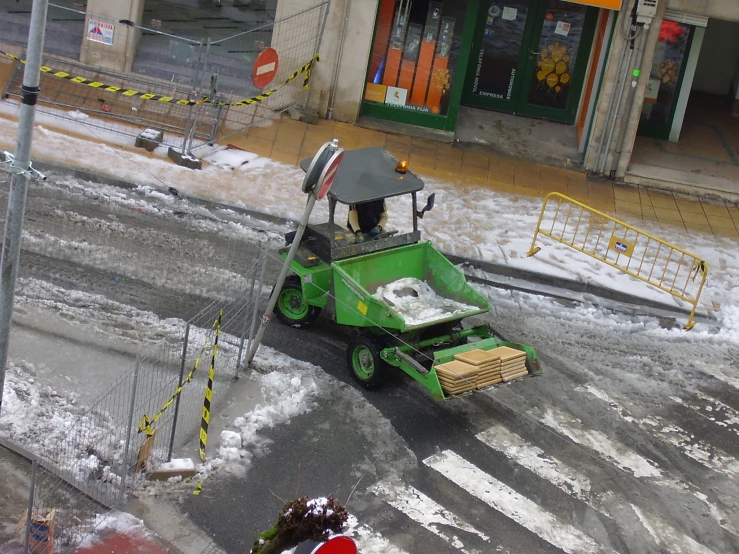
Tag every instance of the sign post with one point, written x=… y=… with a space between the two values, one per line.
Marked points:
x=318 y=180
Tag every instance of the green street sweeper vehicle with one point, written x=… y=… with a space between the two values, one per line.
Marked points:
x=405 y=299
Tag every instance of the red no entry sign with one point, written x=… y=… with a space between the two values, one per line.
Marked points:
x=265 y=68
x=329 y=174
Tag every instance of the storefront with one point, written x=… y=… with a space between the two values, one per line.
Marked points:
x=671 y=75
x=525 y=57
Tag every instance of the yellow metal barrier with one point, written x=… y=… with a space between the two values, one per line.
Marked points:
x=618 y=244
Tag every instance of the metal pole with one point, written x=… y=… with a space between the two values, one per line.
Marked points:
x=614 y=117
x=255 y=298
x=19 y=180
x=630 y=108
x=129 y=428
x=195 y=89
x=281 y=279
x=32 y=494
x=179 y=384
x=201 y=65
x=340 y=55
x=254 y=309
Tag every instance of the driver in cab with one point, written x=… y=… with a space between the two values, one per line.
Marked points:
x=367 y=220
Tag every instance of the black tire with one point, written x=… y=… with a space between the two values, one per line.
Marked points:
x=365 y=364
x=291 y=307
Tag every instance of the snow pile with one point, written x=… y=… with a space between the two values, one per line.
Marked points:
x=417 y=303
x=118 y=522
x=288 y=392
x=76 y=114
x=289 y=389
x=230 y=158
x=177 y=464
x=367 y=540
x=52 y=425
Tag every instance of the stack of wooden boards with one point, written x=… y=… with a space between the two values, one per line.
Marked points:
x=476 y=369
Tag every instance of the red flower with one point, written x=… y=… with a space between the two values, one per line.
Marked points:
x=671 y=31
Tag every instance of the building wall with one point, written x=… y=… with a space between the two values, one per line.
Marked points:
x=716 y=74
x=719 y=9
x=718 y=58
x=118 y=56
x=354 y=56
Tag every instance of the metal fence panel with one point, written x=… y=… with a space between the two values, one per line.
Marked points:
x=212 y=268
x=194 y=92
x=95 y=107
x=633 y=251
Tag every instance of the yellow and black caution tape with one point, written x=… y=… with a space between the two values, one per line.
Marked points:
x=131 y=93
x=209 y=391
x=146 y=422
x=198 y=489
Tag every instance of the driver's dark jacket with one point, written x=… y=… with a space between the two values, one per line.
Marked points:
x=369 y=214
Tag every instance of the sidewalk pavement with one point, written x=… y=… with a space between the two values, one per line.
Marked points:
x=289 y=141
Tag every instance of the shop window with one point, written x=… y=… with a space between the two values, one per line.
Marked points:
x=413 y=66
x=665 y=78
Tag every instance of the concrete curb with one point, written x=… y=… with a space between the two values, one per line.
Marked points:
x=498 y=275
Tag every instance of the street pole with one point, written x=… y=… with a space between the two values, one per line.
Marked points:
x=318 y=179
x=20 y=171
x=281 y=279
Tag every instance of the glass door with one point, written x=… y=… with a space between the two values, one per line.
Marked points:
x=665 y=79
x=531 y=57
x=494 y=79
x=555 y=73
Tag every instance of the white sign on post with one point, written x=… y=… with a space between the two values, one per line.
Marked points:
x=100 y=32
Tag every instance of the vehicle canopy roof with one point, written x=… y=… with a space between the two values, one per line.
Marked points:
x=367 y=174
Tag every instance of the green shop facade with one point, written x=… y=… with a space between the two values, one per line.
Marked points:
x=525 y=57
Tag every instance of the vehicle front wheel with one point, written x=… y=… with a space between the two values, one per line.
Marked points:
x=365 y=364
x=291 y=307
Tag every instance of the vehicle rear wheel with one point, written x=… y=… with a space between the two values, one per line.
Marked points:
x=291 y=307
x=365 y=364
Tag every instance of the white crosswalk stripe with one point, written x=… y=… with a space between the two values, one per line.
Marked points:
x=612 y=451
x=625 y=459
x=721 y=372
x=545 y=466
x=705 y=454
x=511 y=504
x=577 y=485
x=428 y=513
x=668 y=538
x=713 y=410
x=367 y=539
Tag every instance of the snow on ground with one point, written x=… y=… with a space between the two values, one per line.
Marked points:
x=477 y=223
x=120 y=522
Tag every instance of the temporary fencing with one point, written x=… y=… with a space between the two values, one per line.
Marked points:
x=624 y=247
x=145 y=298
x=201 y=92
x=102 y=456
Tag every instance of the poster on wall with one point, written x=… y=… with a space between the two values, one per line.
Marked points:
x=396 y=96
x=100 y=32
x=414 y=55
